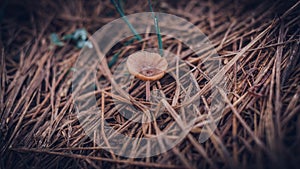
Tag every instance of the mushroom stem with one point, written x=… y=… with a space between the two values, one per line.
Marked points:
x=147 y=90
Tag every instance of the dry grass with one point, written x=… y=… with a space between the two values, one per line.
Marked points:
x=258 y=44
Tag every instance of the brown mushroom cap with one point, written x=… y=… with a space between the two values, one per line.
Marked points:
x=147 y=66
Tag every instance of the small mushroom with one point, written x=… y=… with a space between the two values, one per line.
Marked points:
x=148 y=67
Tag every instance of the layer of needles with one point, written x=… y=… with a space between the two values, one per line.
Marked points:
x=258 y=47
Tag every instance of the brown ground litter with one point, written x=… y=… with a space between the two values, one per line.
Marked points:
x=258 y=43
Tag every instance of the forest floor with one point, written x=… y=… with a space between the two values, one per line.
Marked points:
x=257 y=44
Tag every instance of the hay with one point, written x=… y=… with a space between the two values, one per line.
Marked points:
x=258 y=44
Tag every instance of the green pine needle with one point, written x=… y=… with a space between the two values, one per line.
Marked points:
x=126 y=20
x=160 y=44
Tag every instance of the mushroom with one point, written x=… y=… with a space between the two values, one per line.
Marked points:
x=148 y=67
